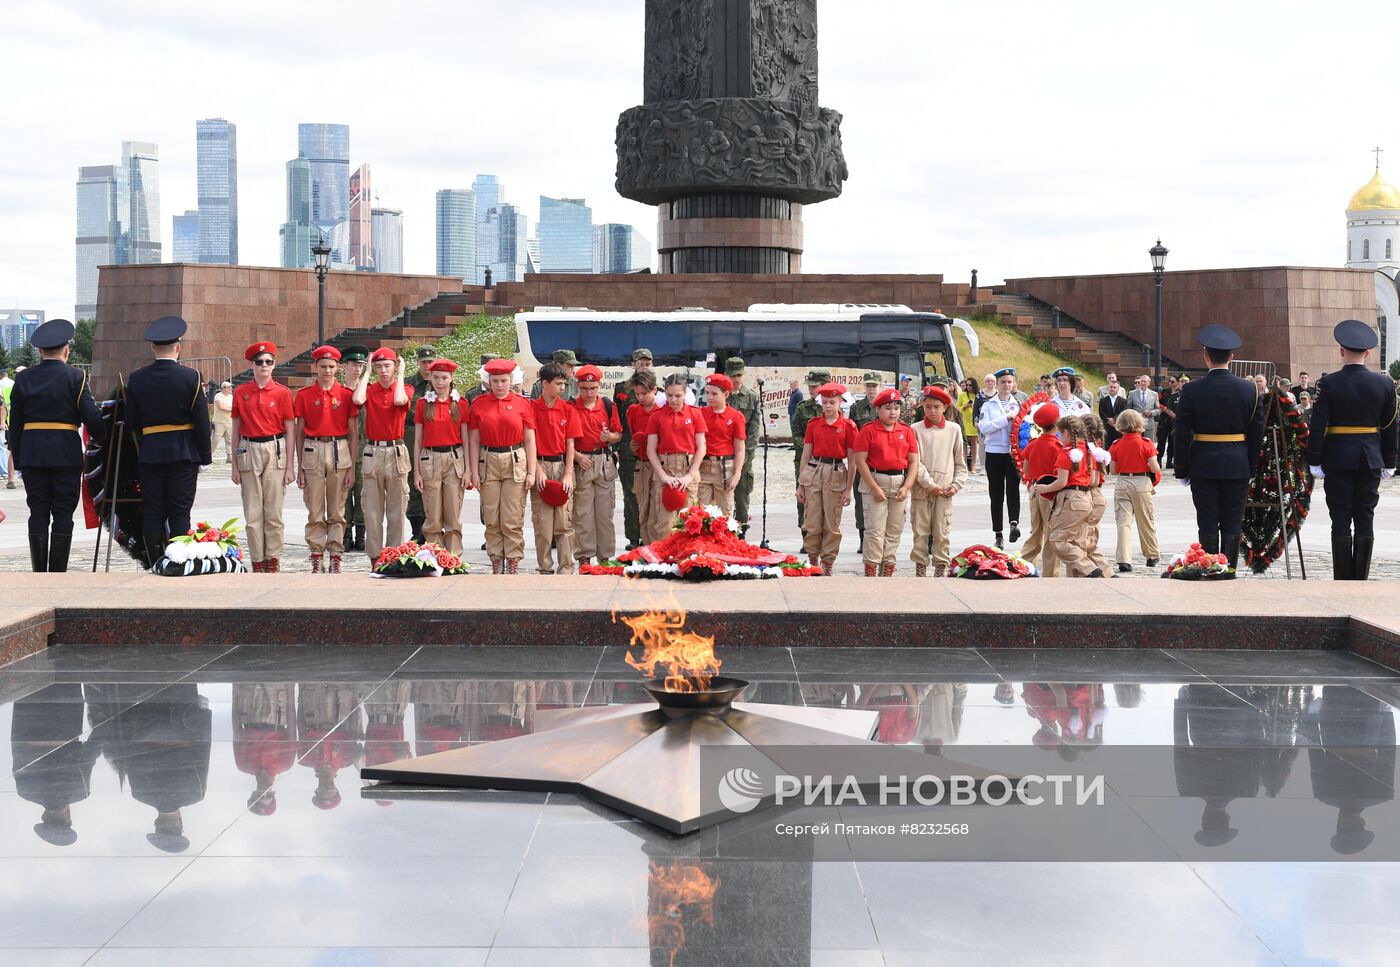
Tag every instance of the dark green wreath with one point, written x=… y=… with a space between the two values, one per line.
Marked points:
x=1264 y=534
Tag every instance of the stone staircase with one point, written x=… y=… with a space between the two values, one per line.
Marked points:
x=1074 y=339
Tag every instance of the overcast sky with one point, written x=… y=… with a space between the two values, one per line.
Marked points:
x=1018 y=138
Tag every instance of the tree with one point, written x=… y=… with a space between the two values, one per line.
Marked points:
x=1395 y=369
x=4 y=357
x=26 y=355
x=82 y=341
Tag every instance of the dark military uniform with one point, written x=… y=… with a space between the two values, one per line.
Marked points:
x=1219 y=429
x=863 y=411
x=165 y=408
x=354 y=508
x=1352 y=439
x=807 y=411
x=627 y=460
x=47 y=404
x=417 y=385
x=747 y=401
x=52 y=766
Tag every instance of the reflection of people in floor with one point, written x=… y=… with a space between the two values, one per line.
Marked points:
x=1070 y=716
x=48 y=724
x=264 y=743
x=330 y=729
x=159 y=748
x=1219 y=756
x=439 y=716
x=898 y=706
x=384 y=736
x=500 y=710
x=1353 y=766
x=940 y=715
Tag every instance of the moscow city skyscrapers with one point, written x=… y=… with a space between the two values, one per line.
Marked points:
x=118 y=218
x=456 y=233
x=216 y=142
x=566 y=235
x=326 y=148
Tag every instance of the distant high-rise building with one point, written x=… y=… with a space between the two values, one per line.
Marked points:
x=297 y=234
x=327 y=148
x=532 y=253
x=566 y=235
x=184 y=237
x=217 y=144
x=490 y=193
x=619 y=248
x=18 y=325
x=503 y=233
x=100 y=236
x=388 y=239
x=361 y=221
x=142 y=163
x=456 y=233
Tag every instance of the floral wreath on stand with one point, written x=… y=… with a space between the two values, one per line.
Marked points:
x=413 y=560
x=703 y=546
x=1024 y=430
x=1262 y=537
x=203 y=550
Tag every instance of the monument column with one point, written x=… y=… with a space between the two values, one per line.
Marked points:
x=730 y=142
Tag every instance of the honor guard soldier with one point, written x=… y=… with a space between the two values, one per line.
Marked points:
x=726 y=435
x=327 y=437
x=1219 y=428
x=353 y=360
x=827 y=472
x=595 y=495
x=557 y=430
x=565 y=359
x=264 y=427
x=501 y=456
x=47 y=404
x=746 y=400
x=807 y=411
x=440 y=456
x=385 y=457
x=417 y=385
x=625 y=396
x=863 y=411
x=1352 y=447
x=166 y=408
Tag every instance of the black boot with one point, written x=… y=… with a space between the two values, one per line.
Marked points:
x=997 y=541
x=39 y=553
x=155 y=548
x=1232 y=551
x=1015 y=534
x=1341 y=559
x=1361 y=558
x=1210 y=543
x=359 y=537
x=417 y=524
x=59 y=545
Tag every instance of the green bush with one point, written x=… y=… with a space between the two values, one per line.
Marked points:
x=466 y=344
x=1395 y=369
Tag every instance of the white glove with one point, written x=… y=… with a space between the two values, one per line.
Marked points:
x=1317 y=472
x=1387 y=473
x=1076 y=456
x=1184 y=483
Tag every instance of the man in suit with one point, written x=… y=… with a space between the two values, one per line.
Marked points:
x=1111 y=404
x=165 y=407
x=48 y=402
x=1352 y=445
x=1144 y=399
x=1219 y=428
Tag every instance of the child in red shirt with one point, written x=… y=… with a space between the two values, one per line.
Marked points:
x=595 y=492
x=1072 y=507
x=1135 y=463
x=725 y=437
x=824 y=486
x=1038 y=466
x=886 y=455
x=440 y=458
x=676 y=449
x=643 y=476
x=557 y=427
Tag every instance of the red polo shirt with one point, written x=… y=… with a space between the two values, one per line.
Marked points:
x=886 y=450
x=1081 y=473
x=592 y=423
x=830 y=440
x=555 y=426
x=637 y=420
x=722 y=429
x=1039 y=458
x=441 y=430
x=675 y=431
x=1131 y=452
x=501 y=422
x=325 y=412
x=384 y=420
x=262 y=411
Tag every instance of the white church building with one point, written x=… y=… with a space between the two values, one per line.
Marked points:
x=1373 y=242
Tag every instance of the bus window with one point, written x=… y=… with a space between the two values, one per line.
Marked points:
x=726 y=339
x=773 y=344
x=889 y=338
x=547 y=336
x=674 y=343
x=831 y=344
x=609 y=343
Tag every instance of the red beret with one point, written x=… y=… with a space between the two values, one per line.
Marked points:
x=588 y=374
x=554 y=494
x=499 y=367
x=383 y=352
x=938 y=393
x=259 y=348
x=720 y=380
x=831 y=389
x=888 y=396
x=442 y=366
x=674 y=498
x=325 y=352
x=1046 y=415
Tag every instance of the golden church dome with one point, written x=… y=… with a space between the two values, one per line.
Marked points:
x=1375 y=194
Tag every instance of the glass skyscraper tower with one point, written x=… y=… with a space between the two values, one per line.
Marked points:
x=118 y=219
x=217 y=144
x=566 y=235
x=388 y=239
x=297 y=233
x=326 y=147
x=456 y=233
x=141 y=160
x=184 y=237
x=490 y=193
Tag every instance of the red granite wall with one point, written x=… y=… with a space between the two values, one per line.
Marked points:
x=229 y=307
x=1284 y=314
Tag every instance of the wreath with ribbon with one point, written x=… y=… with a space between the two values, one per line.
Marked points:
x=1024 y=430
x=1265 y=533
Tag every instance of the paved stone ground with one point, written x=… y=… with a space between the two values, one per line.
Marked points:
x=219 y=500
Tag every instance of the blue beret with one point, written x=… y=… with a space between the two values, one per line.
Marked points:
x=1008 y=371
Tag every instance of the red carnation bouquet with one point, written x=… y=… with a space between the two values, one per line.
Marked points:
x=413 y=560
x=986 y=563
x=1198 y=564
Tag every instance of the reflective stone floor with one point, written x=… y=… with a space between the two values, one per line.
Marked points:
x=202 y=806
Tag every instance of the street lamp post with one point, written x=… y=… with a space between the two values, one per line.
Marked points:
x=1159 y=265
x=322 y=253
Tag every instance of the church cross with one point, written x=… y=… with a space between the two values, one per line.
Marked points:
x=1377 y=152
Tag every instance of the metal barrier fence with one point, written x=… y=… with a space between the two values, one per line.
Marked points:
x=1249 y=368
x=214 y=369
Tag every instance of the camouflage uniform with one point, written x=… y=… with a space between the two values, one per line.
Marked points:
x=807 y=411
x=564 y=357
x=747 y=402
x=627 y=461
x=862 y=412
x=354 y=510
x=911 y=408
x=417 y=385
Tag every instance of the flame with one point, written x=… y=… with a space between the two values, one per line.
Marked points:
x=671 y=888
x=688 y=658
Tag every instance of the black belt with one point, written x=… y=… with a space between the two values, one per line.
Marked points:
x=262 y=439
x=558 y=459
x=833 y=461
x=510 y=449
x=1076 y=487
x=384 y=443
x=1144 y=473
x=888 y=473
x=452 y=449
x=325 y=439
x=720 y=456
x=592 y=453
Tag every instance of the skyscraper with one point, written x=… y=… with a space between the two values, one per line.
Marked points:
x=326 y=147
x=489 y=194
x=388 y=239
x=17 y=326
x=456 y=233
x=184 y=237
x=566 y=235
x=141 y=160
x=297 y=235
x=501 y=237
x=100 y=236
x=619 y=248
x=216 y=141
x=361 y=221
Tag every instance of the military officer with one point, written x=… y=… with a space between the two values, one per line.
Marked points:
x=47 y=402
x=1352 y=446
x=352 y=365
x=1219 y=428
x=625 y=397
x=863 y=411
x=807 y=411
x=166 y=408
x=566 y=359
x=746 y=400
x=417 y=385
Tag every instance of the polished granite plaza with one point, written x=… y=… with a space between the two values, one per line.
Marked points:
x=192 y=805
